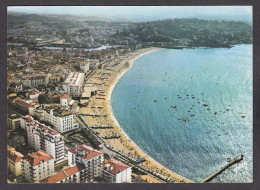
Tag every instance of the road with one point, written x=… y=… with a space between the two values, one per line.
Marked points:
x=114 y=154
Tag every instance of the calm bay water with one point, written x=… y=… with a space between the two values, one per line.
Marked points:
x=191 y=139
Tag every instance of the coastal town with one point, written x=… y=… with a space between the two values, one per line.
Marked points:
x=61 y=128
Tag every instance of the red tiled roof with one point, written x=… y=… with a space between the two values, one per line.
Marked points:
x=37 y=157
x=13 y=155
x=62 y=96
x=114 y=167
x=34 y=91
x=89 y=151
x=65 y=96
x=42 y=127
x=63 y=174
x=28 y=105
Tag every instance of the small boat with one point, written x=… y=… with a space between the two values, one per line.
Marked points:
x=243 y=116
x=173 y=106
x=185 y=119
x=205 y=104
x=192 y=115
x=155 y=100
x=228 y=159
x=208 y=109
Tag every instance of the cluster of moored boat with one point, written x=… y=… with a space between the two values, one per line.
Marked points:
x=199 y=101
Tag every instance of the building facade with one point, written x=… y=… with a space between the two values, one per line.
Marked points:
x=62 y=120
x=74 y=83
x=41 y=137
x=14 y=161
x=24 y=106
x=34 y=81
x=37 y=166
x=13 y=121
x=87 y=156
x=114 y=171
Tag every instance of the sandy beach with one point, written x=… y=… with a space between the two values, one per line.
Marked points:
x=106 y=86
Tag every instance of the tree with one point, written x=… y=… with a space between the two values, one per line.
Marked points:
x=45 y=99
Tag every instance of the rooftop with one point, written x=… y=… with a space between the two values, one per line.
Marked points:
x=24 y=103
x=43 y=128
x=114 y=166
x=86 y=152
x=13 y=155
x=57 y=110
x=63 y=174
x=74 y=78
x=37 y=158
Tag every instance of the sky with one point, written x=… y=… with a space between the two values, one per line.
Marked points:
x=144 y=13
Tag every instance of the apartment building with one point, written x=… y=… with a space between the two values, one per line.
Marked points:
x=37 y=166
x=13 y=121
x=87 y=156
x=75 y=174
x=42 y=137
x=114 y=171
x=74 y=83
x=14 y=161
x=60 y=118
x=24 y=106
x=63 y=99
x=34 y=81
x=34 y=94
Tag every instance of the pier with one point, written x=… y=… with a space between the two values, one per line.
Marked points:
x=235 y=160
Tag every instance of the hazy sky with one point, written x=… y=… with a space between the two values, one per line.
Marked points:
x=143 y=12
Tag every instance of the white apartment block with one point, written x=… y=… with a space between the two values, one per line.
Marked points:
x=41 y=137
x=114 y=171
x=87 y=156
x=34 y=81
x=37 y=166
x=74 y=83
x=84 y=66
x=61 y=119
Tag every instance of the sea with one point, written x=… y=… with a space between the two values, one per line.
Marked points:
x=191 y=110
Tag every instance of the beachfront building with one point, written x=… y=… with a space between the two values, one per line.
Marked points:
x=75 y=174
x=114 y=171
x=41 y=137
x=60 y=118
x=37 y=166
x=74 y=83
x=24 y=106
x=14 y=161
x=34 y=81
x=84 y=66
x=87 y=156
x=13 y=121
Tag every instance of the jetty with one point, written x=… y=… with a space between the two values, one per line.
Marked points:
x=212 y=176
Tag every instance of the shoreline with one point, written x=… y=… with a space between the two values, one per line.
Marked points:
x=111 y=86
